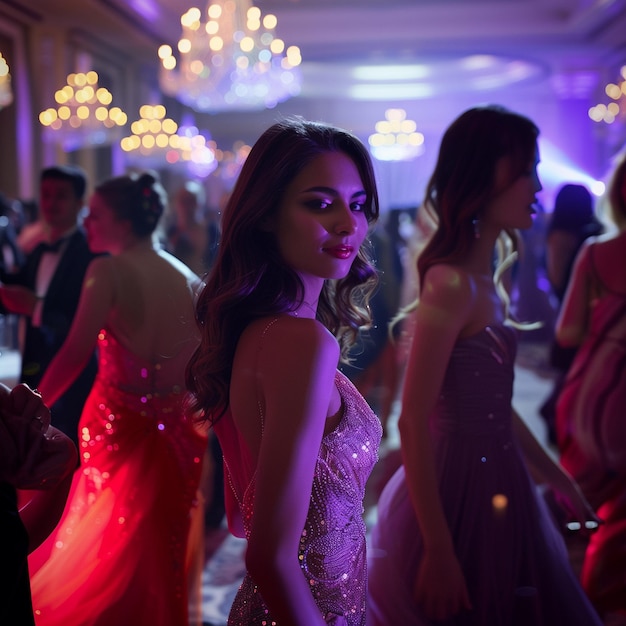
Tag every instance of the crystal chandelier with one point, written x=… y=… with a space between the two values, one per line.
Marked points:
x=157 y=140
x=83 y=116
x=616 y=92
x=6 y=94
x=231 y=162
x=230 y=61
x=396 y=138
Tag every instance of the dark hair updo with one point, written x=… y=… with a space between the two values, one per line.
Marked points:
x=138 y=198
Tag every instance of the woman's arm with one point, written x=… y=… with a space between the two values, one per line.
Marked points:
x=444 y=307
x=545 y=468
x=560 y=247
x=96 y=300
x=296 y=375
x=573 y=320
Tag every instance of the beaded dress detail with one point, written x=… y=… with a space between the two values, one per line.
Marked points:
x=513 y=557
x=119 y=553
x=332 y=545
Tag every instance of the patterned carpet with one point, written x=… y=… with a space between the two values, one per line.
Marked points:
x=221 y=577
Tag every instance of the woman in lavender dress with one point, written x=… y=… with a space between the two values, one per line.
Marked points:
x=461 y=536
x=282 y=305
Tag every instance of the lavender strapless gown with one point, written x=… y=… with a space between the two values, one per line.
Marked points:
x=513 y=557
x=332 y=546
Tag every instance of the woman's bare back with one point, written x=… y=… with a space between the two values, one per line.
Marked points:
x=153 y=305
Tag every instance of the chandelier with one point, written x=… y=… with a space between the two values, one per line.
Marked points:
x=231 y=161
x=6 y=94
x=610 y=112
x=230 y=61
x=158 y=140
x=396 y=138
x=83 y=116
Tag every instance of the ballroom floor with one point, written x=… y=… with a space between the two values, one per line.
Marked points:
x=224 y=568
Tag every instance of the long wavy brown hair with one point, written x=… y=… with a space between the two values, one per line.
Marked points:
x=463 y=181
x=251 y=280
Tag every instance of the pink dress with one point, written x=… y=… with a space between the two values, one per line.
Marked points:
x=591 y=434
x=513 y=557
x=118 y=556
x=332 y=547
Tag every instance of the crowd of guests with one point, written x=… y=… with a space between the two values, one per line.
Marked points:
x=176 y=367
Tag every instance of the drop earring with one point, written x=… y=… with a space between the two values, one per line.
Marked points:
x=476 y=226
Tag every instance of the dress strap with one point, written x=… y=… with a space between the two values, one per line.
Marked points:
x=258 y=401
x=269 y=325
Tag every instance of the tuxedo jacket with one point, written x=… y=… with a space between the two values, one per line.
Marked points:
x=59 y=307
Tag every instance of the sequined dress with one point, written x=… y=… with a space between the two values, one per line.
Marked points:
x=332 y=546
x=513 y=557
x=591 y=432
x=118 y=556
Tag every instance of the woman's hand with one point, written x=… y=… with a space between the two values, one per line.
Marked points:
x=18 y=299
x=440 y=589
x=35 y=454
x=29 y=405
x=572 y=500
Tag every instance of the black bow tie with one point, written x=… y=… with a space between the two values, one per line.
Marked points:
x=52 y=247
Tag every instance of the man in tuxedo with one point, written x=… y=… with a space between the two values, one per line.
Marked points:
x=47 y=289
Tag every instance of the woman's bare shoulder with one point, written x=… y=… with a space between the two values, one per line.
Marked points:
x=289 y=328
x=101 y=268
x=175 y=262
x=448 y=284
x=605 y=257
x=102 y=263
x=608 y=242
x=284 y=341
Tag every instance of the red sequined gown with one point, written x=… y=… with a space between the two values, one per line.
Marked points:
x=118 y=556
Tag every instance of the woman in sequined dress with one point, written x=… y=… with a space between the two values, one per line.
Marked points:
x=462 y=537
x=591 y=408
x=282 y=305
x=119 y=555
